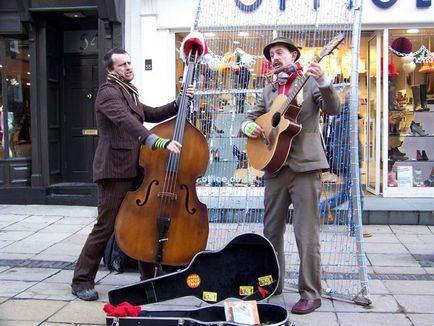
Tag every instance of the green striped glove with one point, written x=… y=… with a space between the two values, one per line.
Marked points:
x=161 y=143
x=249 y=128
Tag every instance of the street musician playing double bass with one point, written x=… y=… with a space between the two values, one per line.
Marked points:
x=298 y=181
x=120 y=117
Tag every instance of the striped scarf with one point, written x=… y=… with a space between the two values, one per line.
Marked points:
x=128 y=87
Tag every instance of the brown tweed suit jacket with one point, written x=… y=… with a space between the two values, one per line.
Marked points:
x=121 y=131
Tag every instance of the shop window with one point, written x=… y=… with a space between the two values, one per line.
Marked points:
x=15 y=128
x=1 y=114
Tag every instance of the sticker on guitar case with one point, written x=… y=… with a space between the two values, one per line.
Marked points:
x=193 y=281
x=265 y=280
x=209 y=296
x=246 y=290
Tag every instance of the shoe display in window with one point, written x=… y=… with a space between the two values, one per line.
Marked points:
x=418 y=155
x=424 y=157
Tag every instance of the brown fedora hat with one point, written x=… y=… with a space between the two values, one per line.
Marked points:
x=284 y=41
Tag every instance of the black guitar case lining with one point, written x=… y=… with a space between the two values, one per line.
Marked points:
x=246 y=268
x=269 y=314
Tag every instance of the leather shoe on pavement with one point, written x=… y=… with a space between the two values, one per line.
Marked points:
x=86 y=295
x=305 y=306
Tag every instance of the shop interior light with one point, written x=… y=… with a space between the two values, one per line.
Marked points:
x=236 y=42
x=209 y=34
x=412 y=31
x=74 y=14
x=243 y=34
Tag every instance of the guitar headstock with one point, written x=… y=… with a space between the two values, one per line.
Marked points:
x=333 y=44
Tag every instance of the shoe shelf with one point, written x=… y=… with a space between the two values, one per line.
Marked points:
x=411 y=152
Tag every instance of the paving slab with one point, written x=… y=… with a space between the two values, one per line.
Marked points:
x=27 y=274
x=120 y=279
x=427 y=239
x=389 y=248
x=61 y=210
x=411 y=229
x=380 y=259
x=12 y=235
x=24 y=226
x=43 y=219
x=28 y=246
x=380 y=303
x=377 y=319
x=416 y=303
x=378 y=287
x=381 y=238
x=47 y=291
x=410 y=287
x=80 y=312
x=317 y=318
x=399 y=270
x=422 y=319
x=12 y=288
x=18 y=323
x=28 y=310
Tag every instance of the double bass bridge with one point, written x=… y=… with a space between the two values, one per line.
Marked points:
x=166 y=194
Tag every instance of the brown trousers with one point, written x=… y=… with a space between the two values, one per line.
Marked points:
x=110 y=193
x=303 y=190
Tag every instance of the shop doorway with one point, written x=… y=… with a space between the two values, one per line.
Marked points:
x=80 y=133
x=373 y=114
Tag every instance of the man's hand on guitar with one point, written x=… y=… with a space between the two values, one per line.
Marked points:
x=253 y=130
x=316 y=72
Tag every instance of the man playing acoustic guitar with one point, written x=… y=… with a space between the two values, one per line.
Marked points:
x=298 y=181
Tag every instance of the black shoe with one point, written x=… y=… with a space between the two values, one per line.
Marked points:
x=86 y=295
x=424 y=156
x=396 y=155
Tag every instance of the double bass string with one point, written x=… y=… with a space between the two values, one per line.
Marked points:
x=172 y=168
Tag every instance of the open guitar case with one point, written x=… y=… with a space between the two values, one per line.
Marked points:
x=245 y=269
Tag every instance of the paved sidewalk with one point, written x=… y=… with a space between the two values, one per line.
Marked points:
x=39 y=244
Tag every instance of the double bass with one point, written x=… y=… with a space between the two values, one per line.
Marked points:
x=163 y=221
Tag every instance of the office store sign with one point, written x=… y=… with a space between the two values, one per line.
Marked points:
x=385 y=4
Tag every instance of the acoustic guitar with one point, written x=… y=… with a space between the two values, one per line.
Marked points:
x=280 y=124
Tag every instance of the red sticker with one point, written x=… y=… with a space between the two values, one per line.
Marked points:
x=193 y=281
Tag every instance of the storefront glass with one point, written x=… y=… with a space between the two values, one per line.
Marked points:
x=411 y=110
x=16 y=130
x=1 y=114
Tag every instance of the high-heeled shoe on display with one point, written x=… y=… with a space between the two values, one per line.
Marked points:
x=417 y=129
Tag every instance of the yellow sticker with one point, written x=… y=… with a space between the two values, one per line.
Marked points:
x=246 y=290
x=209 y=296
x=193 y=280
x=265 y=280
